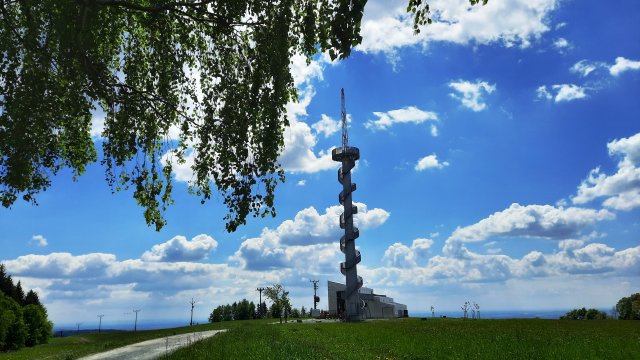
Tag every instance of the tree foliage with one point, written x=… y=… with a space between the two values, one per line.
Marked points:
x=39 y=329
x=242 y=310
x=280 y=303
x=584 y=314
x=23 y=320
x=199 y=81
x=628 y=308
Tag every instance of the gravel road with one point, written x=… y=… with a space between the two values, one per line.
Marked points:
x=152 y=349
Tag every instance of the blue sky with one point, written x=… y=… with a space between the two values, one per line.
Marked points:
x=500 y=163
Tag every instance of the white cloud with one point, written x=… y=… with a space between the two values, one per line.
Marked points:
x=434 y=130
x=308 y=231
x=180 y=249
x=585 y=67
x=304 y=73
x=576 y=260
x=386 y=27
x=301 y=182
x=560 y=43
x=298 y=155
x=472 y=93
x=326 y=126
x=61 y=265
x=97 y=124
x=543 y=93
x=622 y=189
x=538 y=221
x=402 y=256
x=39 y=240
x=568 y=92
x=102 y=283
x=563 y=92
x=623 y=65
x=409 y=114
x=430 y=162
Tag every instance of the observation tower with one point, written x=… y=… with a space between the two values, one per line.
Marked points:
x=347 y=155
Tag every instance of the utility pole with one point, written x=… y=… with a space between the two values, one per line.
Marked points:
x=316 y=299
x=135 y=325
x=100 y=323
x=260 y=290
x=193 y=304
x=78 y=329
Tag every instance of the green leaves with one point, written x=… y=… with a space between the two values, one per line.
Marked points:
x=215 y=72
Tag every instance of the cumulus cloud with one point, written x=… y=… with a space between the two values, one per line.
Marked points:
x=308 y=231
x=540 y=221
x=563 y=92
x=576 y=260
x=61 y=265
x=386 y=27
x=623 y=65
x=430 y=162
x=181 y=249
x=403 y=256
x=298 y=155
x=39 y=240
x=301 y=182
x=568 y=92
x=470 y=94
x=409 y=114
x=326 y=126
x=103 y=283
x=622 y=189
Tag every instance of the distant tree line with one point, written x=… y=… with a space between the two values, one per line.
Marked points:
x=23 y=319
x=246 y=310
x=242 y=310
x=584 y=314
x=627 y=308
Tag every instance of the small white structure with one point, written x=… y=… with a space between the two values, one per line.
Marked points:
x=374 y=306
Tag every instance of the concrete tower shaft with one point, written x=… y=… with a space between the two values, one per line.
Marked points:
x=348 y=155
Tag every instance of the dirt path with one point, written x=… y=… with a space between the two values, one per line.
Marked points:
x=152 y=349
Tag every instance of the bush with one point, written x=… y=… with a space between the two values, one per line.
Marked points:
x=584 y=314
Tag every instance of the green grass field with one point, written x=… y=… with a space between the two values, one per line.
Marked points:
x=385 y=339
x=426 y=339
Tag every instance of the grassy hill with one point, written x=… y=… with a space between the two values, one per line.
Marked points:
x=386 y=339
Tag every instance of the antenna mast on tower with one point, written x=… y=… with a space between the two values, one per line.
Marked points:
x=345 y=135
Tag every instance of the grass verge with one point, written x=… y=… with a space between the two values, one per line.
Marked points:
x=73 y=347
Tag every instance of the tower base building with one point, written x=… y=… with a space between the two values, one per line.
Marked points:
x=372 y=305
